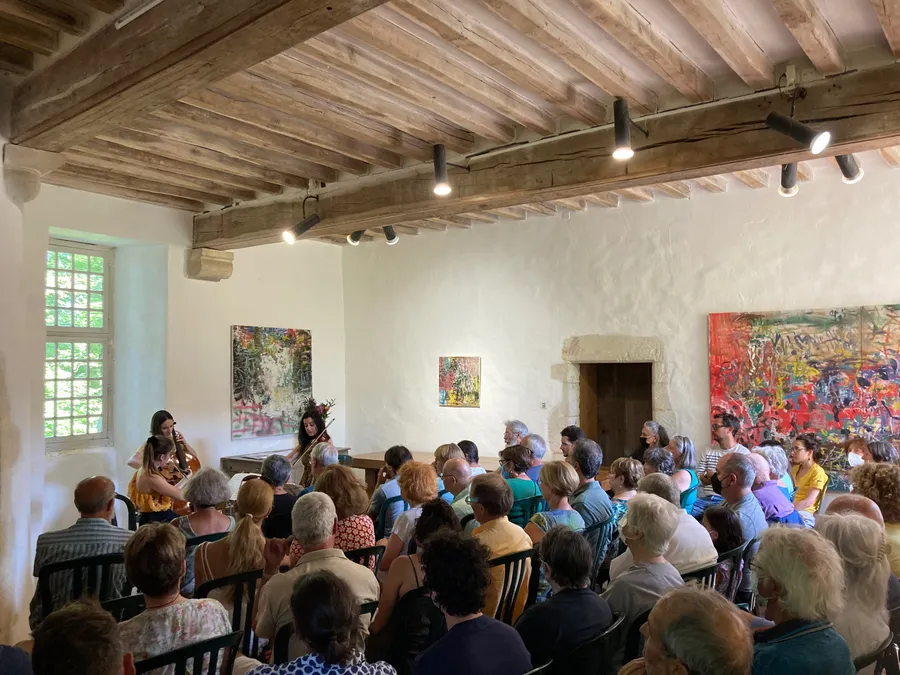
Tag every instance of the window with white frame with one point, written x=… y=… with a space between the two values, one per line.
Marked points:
x=79 y=337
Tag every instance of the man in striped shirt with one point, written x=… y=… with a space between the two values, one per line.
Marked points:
x=725 y=428
x=92 y=534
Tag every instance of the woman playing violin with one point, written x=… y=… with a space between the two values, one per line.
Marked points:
x=149 y=489
x=312 y=431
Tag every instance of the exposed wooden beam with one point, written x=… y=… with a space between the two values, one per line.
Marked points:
x=891 y=156
x=572 y=204
x=607 y=200
x=636 y=194
x=425 y=225
x=105 y=6
x=713 y=183
x=511 y=213
x=480 y=217
x=634 y=32
x=64 y=179
x=406 y=229
x=804 y=19
x=51 y=14
x=889 y=16
x=26 y=35
x=16 y=60
x=859 y=108
x=176 y=48
x=540 y=209
x=804 y=172
x=754 y=178
x=718 y=25
x=447 y=222
x=678 y=189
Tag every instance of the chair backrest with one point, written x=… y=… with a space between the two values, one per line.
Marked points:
x=514 y=566
x=196 y=653
x=599 y=536
x=706 y=577
x=132 y=513
x=368 y=608
x=346 y=460
x=885 y=656
x=202 y=538
x=245 y=585
x=382 y=515
x=595 y=655
x=543 y=670
x=528 y=507
x=750 y=549
x=415 y=624
x=364 y=556
x=280 y=650
x=633 y=636
x=735 y=557
x=126 y=607
x=97 y=569
x=466 y=519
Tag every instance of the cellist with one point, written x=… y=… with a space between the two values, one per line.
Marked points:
x=149 y=489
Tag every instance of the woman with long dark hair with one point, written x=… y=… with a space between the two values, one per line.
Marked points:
x=151 y=493
x=312 y=428
x=161 y=424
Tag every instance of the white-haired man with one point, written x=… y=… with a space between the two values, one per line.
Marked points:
x=538 y=447
x=321 y=457
x=514 y=432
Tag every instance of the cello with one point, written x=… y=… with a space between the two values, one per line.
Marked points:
x=181 y=467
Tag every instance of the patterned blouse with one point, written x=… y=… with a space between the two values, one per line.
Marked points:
x=353 y=533
x=313 y=664
x=620 y=507
x=547 y=519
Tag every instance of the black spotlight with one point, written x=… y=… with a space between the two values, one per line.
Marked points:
x=816 y=141
x=788 y=187
x=441 y=180
x=353 y=239
x=850 y=168
x=390 y=235
x=622 y=121
x=298 y=230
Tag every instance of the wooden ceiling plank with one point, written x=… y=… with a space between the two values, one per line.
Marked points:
x=76 y=183
x=678 y=189
x=105 y=6
x=118 y=74
x=608 y=200
x=722 y=30
x=27 y=35
x=754 y=178
x=804 y=172
x=572 y=204
x=634 y=32
x=511 y=213
x=712 y=183
x=249 y=110
x=807 y=24
x=51 y=14
x=539 y=209
x=891 y=156
x=480 y=216
x=16 y=60
x=406 y=229
x=425 y=225
x=888 y=12
x=638 y=194
x=537 y=20
x=451 y=223
x=450 y=21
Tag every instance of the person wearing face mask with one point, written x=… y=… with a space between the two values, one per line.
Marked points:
x=799 y=579
x=653 y=435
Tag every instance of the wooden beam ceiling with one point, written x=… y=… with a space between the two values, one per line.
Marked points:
x=52 y=14
x=754 y=178
x=805 y=21
x=888 y=12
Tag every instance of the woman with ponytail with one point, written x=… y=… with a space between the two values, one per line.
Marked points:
x=150 y=492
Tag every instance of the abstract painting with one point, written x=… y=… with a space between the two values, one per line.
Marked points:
x=271 y=371
x=459 y=381
x=832 y=372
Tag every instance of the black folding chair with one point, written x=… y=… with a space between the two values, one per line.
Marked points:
x=382 y=514
x=514 y=566
x=132 y=513
x=364 y=556
x=194 y=542
x=368 y=608
x=196 y=653
x=633 y=636
x=885 y=657
x=534 y=579
x=705 y=577
x=528 y=507
x=600 y=535
x=280 y=649
x=735 y=556
x=750 y=549
x=466 y=519
x=545 y=669
x=239 y=582
x=126 y=608
x=98 y=572
x=594 y=657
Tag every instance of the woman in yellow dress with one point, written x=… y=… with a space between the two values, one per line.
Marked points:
x=809 y=477
x=149 y=489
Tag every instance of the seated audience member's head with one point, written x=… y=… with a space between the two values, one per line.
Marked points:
x=651 y=523
x=321 y=457
x=736 y=475
x=567 y=558
x=882 y=451
x=314 y=521
x=538 y=447
x=798 y=575
x=457 y=475
x=491 y=497
x=880 y=482
x=207 y=488
x=654 y=435
x=418 y=483
x=625 y=474
x=774 y=454
x=82 y=638
x=661 y=485
x=805 y=450
x=587 y=457
x=347 y=493
x=568 y=437
x=853 y=503
x=470 y=451
x=456 y=573
x=516 y=460
x=326 y=616
x=395 y=457
x=724 y=528
x=154 y=560
x=95 y=497
x=514 y=432
x=697 y=632
x=762 y=469
x=437 y=516
x=445 y=452
x=658 y=460
x=558 y=481
x=252 y=506
x=683 y=452
x=276 y=470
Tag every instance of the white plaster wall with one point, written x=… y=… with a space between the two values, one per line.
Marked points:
x=513 y=292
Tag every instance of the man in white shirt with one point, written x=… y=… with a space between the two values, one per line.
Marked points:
x=725 y=428
x=690 y=548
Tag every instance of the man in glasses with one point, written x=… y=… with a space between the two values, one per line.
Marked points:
x=725 y=428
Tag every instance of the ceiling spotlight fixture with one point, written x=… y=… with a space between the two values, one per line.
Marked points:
x=788 y=187
x=390 y=235
x=622 y=121
x=353 y=239
x=816 y=141
x=850 y=168
x=301 y=228
x=441 y=179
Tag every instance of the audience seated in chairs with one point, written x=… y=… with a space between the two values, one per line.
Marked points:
x=515 y=461
x=276 y=471
x=388 y=488
x=799 y=581
x=315 y=525
x=690 y=548
x=491 y=499
x=624 y=475
x=470 y=451
x=696 y=632
x=860 y=543
x=775 y=506
x=538 y=447
x=154 y=558
x=458 y=479
x=204 y=491
x=685 y=476
x=407 y=620
x=574 y=614
x=442 y=455
x=880 y=482
x=810 y=479
x=589 y=498
x=780 y=467
x=568 y=437
x=651 y=524
x=418 y=484
x=92 y=534
x=724 y=529
x=322 y=456
x=456 y=574
x=355 y=529
x=658 y=460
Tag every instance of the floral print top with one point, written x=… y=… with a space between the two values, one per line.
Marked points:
x=353 y=533
x=313 y=664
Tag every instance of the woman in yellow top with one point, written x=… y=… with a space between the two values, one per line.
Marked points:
x=810 y=479
x=880 y=482
x=149 y=490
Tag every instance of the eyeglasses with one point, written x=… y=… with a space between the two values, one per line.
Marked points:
x=718 y=426
x=471 y=500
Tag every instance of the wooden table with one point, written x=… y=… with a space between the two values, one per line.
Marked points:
x=371 y=463
x=252 y=462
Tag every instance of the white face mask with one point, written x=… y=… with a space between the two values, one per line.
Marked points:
x=855 y=460
x=761 y=601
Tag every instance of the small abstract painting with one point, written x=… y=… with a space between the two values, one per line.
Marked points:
x=459 y=381
x=835 y=373
x=271 y=371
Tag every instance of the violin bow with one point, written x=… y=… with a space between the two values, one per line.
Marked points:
x=312 y=444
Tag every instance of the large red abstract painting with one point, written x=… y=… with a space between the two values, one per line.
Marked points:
x=835 y=373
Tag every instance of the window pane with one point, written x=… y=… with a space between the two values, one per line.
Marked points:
x=81 y=282
x=80 y=388
x=80 y=370
x=95 y=406
x=48 y=429
x=51 y=279
x=64 y=389
x=95 y=388
x=79 y=426
x=49 y=390
x=63 y=427
x=80 y=300
x=64 y=318
x=64 y=280
x=64 y=351
x=96 y=320
x=95 y=425
x=96 y=351
x=50 y=298
x=64 y=260
x=49 y=409
x=81 y=262
x=64 y=371
x=80 y=350
x=96 y=301
x=80 y=318
x=96 y=283
x=64 y=298
x=51 y=350
x=51 y=259
x=64 y=408
x=96 y=369
x=96 y=264
x=79 y=407
x=50 y=317
x=49 y=371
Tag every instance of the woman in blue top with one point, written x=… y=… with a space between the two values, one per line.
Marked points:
x=515 y=462
x=685 y=476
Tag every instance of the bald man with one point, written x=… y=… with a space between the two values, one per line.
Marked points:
x=457 y=477
x=92 y=534
x=856 y=504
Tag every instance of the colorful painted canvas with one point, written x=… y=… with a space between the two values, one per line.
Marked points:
x=459 y=381
x=271 y=370
x=833 y=372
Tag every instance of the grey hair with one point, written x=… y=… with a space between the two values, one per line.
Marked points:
x=207 y=487
x=313 y=518
x=661 y=485
x=808 y=570
x=276 y=469
x=688 y=458
x=777 y=460
x=325 y=454
x=741 y=467
x=517 y=427
x=536 y=444
x=762 y=468
x=655 y=518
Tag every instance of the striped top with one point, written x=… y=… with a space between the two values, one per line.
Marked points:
x=87 y=537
